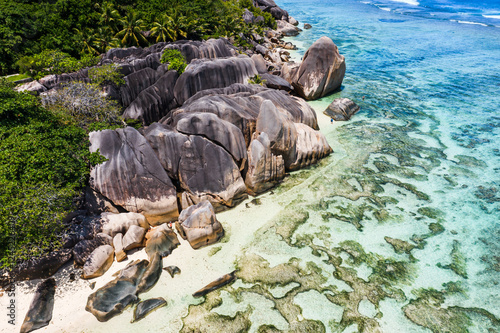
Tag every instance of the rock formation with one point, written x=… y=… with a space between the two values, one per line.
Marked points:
x=98 y=262
x=161 y=240
x=321 y=71
x=341 y=109
x=41 y=307
x=132 y=177
x=264 y=168
x=133 y=238
x=310 y=148
x=199 y=226
x=43 y=267
x=146 y=307
x=118 y=245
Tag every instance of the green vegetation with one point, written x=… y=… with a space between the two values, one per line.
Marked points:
x=256 y=79
x=175 y=60
x=67 y=30
x=43 y=165
x=106 y=74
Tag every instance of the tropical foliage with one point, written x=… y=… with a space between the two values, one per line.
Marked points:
x=175 y=60
x=91 y=27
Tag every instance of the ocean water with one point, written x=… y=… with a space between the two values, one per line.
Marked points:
x=397 y=230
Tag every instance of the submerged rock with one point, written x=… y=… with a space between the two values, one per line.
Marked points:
x=99 y=261
x=199 y=225
x=132 y=177
x=146 y=307
x=321 y=72
x=341 y=109
x=41 y=307
x=219 y=283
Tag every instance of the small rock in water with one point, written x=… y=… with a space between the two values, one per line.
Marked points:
x=220 y=282
x=172 y=270
x=341 y=109
x=146 y=307
x=307 y=26
x=40 y=311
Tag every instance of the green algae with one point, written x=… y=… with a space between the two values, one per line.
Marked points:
x=214 y=250
x=458 y=261
x=432 y=213
x=470 y=161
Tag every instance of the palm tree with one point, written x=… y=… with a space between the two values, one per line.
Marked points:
x=87 y=41
x=131 y=34
x=109 y=15
x=105 y=40
x=162 y=30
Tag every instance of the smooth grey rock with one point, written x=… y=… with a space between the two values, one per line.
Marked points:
x=311 y=146
x=287 y=29
x=219 y=283
x=152 y=274
x=280 y=130
x=199 y=225
x=133 y=238
x=34 y=87
x=208 y=172
x=321 y=72
x=293 y=21
x=161 y=240
x=172 y=270
x=276 y=82
x=113 y=224
x=146 y=307
x=209 y=49
x=216 y=130
x=264 y=168
x=154 y=102
x=43 y=267
x=40 y=311
x=167 y=144
x=111 y=299
x=135 y=83
x=118 y=245
x=341 y=109
x=98 y=262
x=260 y=63
x=204 y=74
x=84 y=249
x=132 y=177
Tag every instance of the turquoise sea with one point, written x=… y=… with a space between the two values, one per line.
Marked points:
x=398 y=230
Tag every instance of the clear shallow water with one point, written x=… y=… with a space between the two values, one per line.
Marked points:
x=417 y=167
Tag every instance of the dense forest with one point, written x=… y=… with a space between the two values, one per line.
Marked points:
x=91 y=27
x=44 y=157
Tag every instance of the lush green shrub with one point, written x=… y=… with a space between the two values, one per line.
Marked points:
x=43 y=165
x=175 y=60
x=106 y=74
x=53 y=62
x=256 y=79
x=82 y=103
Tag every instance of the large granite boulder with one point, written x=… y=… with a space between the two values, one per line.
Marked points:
x=99 y=261
x=152 y=273
x=41 y=307
x=111 y=299
x=271 y=7
x=135 y=83
x=84 y=248
x=154 y=102
x=311 y=146
x=133 y=238
x=204 y=74
x=341 y=109
x=209 y=49
x=199 y=226
x=321 y=72
x=216 y=130
x=33 y=87
x=280 y=130
x=161 y=240
x=260 y=63
x=287 y=29
x=264 y=168
x=42 y=267
x=167 y=144
x=113 y=224
x=132 y=177
x=276 y=82
x=208 y=172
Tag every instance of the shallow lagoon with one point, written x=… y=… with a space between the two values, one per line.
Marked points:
x=402 y=217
